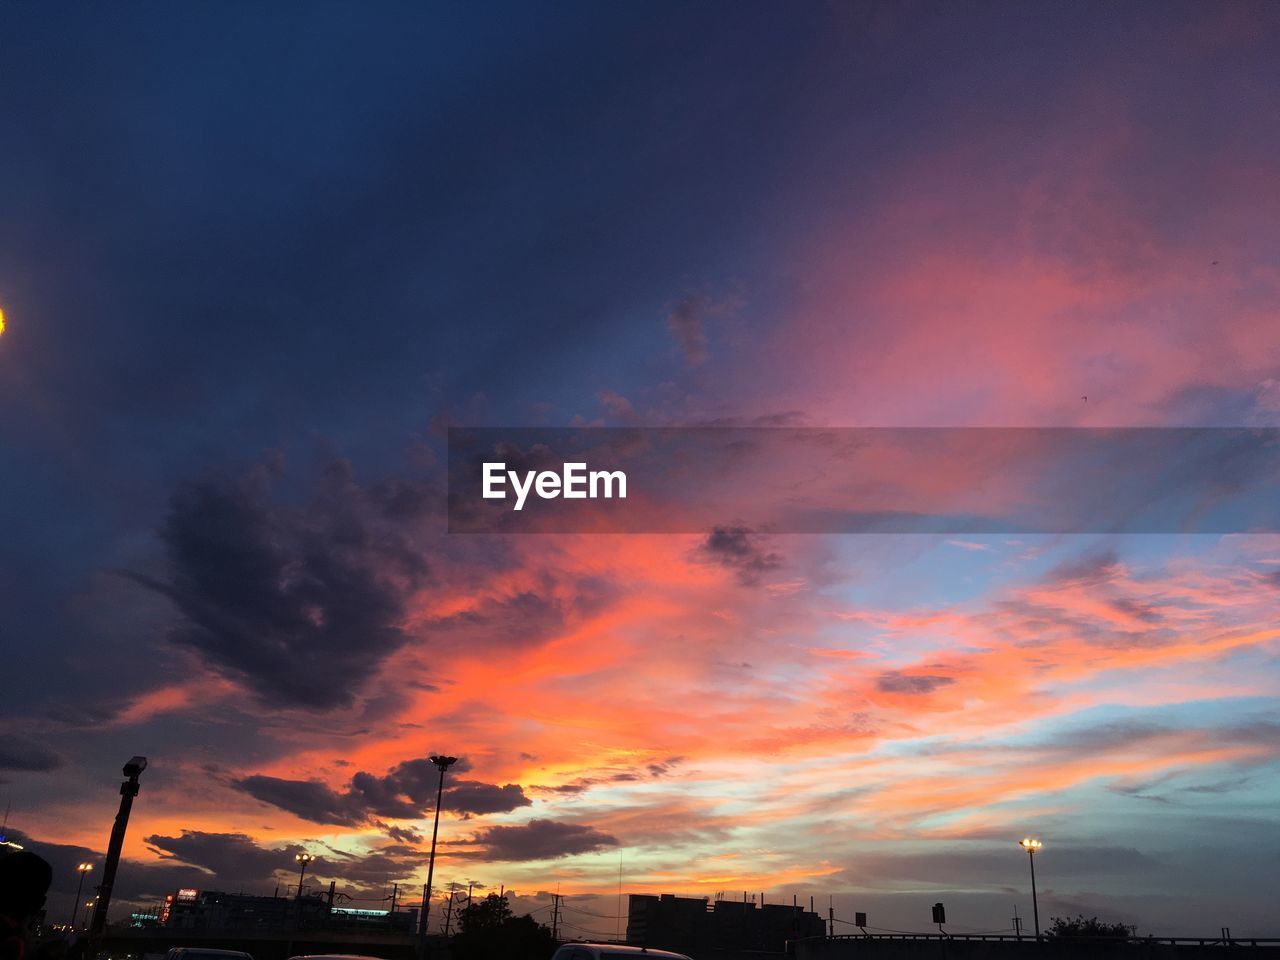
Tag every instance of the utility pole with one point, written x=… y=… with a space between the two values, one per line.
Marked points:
x=555 y=916
x=128 y=790
x=1017 y=923
x=391 y=914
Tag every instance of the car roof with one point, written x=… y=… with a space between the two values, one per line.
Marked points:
x=334 y=956
x=212 y=952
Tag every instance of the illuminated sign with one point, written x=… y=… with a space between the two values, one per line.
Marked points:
x=188 y=895
x=353 y=912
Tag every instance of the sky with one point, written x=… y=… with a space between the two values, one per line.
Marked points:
x=255 y=261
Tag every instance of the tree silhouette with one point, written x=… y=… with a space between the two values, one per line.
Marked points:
x=1063 y=927
x=489 y=930
x=488 y=914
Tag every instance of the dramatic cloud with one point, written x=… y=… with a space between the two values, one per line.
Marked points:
x=300 y=606
x=470 y=796
x=235 y=859
x=406 y=792
x=523 y=619
x=230 y=857
x=17 y=753
x=373 y=871
x=653 y=770
x=741 y=550
x=401 y=834
x=309 y=799
x=895 y=682
x=541 y=840
x=1094 y=568
x=137 y=880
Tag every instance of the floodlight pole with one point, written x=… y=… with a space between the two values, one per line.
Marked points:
x=443 y=763
x=1031 y=845
x=82 y=869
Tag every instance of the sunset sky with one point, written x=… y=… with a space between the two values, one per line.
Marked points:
x=255 y=262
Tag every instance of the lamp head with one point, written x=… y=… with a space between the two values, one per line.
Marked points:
x=1030 y=843
x=133 y=769
x=444 y=763
x=303 y=857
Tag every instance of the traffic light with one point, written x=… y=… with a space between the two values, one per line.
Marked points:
x=939 y=913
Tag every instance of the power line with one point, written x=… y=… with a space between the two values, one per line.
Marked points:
x=601 y=916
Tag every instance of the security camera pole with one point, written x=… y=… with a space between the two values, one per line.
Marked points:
x=128 y=790
x=443 y=763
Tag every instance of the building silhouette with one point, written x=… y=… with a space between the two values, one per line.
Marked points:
x=689 y=924
x=189 y=909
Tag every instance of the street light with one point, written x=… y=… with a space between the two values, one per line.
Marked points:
x=1031 y=845
x=303 y=859
x=443 y=764
x=82 y=869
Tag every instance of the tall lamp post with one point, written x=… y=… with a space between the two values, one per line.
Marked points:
x=128 y=790
x=443 y=764
x=1031 y=845
x=303 y=859
x=82 y=869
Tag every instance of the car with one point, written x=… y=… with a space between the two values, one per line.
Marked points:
x=203 y=953
x=612 y=951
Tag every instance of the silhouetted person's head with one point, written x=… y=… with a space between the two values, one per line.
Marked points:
x=24 y=882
